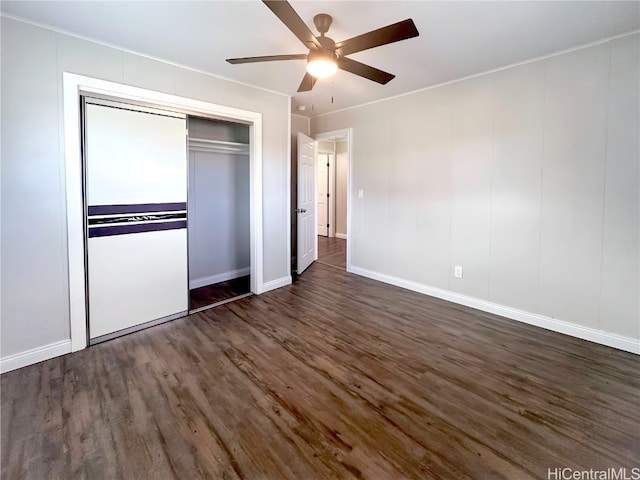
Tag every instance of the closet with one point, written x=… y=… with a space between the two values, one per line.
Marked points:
x=218 y=215
x=166 y=215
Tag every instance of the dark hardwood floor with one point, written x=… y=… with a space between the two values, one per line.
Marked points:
x=332 y=251
x=336 y=376
x=219 y=292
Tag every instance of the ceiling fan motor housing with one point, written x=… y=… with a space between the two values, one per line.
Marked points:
x=327 y=53
x=322 y=21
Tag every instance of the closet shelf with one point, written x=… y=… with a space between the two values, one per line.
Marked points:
x=218 y=146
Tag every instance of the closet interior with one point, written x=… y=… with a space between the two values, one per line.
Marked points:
x=218 y=212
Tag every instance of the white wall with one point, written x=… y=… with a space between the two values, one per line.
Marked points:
x=218 y=217
x=325 y=146
x=342 y=166
x=527 y=177
x=35 y=291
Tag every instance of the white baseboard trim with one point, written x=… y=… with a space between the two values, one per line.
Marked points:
x=586 y=333
x=273 y=284
x=341 y=235
x=220 y=277
x=35 y=355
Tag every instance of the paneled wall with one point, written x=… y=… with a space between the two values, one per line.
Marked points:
x=342 y=166
x=35 y=290
x=527 y=177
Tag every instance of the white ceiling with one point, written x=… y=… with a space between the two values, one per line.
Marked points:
x=457 y=39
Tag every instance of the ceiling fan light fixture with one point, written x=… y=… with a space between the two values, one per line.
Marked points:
x=321 y=64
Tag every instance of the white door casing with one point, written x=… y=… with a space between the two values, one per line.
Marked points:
x=332 y=196
x=306 y=209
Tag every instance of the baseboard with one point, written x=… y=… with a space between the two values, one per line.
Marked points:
x=586 y=333
x=35 y=355
x=341 y=235
x=220 y=277
x=273 y=284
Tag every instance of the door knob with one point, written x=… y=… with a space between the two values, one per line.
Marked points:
x=301 y=210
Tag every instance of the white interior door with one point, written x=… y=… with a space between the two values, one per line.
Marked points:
x=136 y=194
x=307 y=236
x=323 y=192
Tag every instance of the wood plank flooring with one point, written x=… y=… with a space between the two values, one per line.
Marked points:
x=336 y=376
x=332 y=251
x=219 y=292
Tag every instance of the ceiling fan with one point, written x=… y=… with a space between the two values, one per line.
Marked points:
x=326 y=56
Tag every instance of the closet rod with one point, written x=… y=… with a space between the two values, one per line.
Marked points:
x=218 y=146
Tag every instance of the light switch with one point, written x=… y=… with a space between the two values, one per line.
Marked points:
x=360 y=193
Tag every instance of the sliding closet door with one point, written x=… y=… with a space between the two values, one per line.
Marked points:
x=136 y=193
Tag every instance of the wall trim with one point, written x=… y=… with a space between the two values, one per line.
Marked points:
x=35 y=355
x=341 y=235
x=585 y=333
x=277 y=283
x=220 y=277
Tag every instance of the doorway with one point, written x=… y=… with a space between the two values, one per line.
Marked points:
x=218 y=212
x=331 y=172
x=325 y=197
x=332 y=199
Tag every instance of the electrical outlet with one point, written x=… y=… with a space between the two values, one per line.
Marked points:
x=361 y=193
x=457 y=271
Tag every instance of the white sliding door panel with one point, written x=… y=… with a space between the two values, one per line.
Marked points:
x=136 y=195
x=136 y=278
x=135 y=157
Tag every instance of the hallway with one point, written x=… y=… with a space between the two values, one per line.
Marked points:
x=332 y=251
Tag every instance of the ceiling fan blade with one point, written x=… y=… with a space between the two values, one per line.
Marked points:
x=268 y=58
x=382 y=36
x=287 y=15
x=308 y=81
x=365 y=71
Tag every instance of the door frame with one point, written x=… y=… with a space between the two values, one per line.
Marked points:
x=331 y=188
x=74 y=86
x=341 y=134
